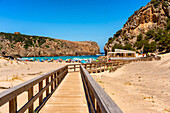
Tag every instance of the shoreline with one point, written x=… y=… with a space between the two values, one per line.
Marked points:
x=65 y=56
x=55 y=55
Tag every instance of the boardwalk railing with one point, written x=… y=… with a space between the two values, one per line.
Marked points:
x=73 y=67
x=101 y=67
x=98 y=100
x=11 y=94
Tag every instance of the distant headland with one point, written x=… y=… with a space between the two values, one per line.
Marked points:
x=20 y=45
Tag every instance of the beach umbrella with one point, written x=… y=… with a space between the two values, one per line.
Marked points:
x=83 y=61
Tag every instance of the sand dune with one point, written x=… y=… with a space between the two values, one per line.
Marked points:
x=140 y=87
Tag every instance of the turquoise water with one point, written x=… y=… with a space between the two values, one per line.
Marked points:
x=94 y=57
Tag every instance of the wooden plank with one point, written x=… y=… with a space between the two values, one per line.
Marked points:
x=47 y=90
x=91 y=68
x=16 y=90
x=100 y=67
x=55 y=82
x=13 y=105
x=52 y=83
x=41 y=96
x=106 y=104
x=28 y=104
x=92 y=107
x=30 y=95
x=67 y=99
x=96 y=68
x=74 y=68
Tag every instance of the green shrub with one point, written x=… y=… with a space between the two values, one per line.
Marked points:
x=128 y=47
x=165 y=4
x=150 y=33
x=152 y=46
x=139 y=37
x=168 y=24
x=47 y=46
x=25 y=38
x=155 y=3
x=157 y=37
x=146 y=48
x=117 y=46
x=139 y=44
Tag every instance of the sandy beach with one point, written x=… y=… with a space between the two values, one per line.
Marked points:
x=13 y=73
x=139 y=87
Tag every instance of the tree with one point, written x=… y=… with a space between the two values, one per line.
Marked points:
x=117 y=46
x=128 y=47
x=152 y=46
x=168 y=24
x=150 y=34
x=139 y=44
x=139 y=37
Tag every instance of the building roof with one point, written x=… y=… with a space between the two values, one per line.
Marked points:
x=122 y=51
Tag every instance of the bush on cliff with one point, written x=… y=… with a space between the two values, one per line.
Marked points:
x=139 y=37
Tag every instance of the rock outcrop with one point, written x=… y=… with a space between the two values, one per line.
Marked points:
x=31 y=46
x=147 y=21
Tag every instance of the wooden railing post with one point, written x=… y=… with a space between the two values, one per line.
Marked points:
x=13 y=105
x=55 y=84
x=96 y=67
x=100 y=67
x=58 y=78
x=91 y=68
x=47 y=90
x=74 y=68
x=98 y=108
x=41 y=97
x=52 y=83
x=30 y=95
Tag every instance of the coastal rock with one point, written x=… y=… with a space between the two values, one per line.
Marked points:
x=36 y=46
x=153 y=17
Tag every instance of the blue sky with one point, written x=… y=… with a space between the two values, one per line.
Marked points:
x=75 y=20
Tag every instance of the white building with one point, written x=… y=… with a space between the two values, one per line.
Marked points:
x=121 y=54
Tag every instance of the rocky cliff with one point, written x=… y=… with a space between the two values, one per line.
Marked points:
x=28 y=46
x=146 y=30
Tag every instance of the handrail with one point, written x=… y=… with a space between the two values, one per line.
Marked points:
x=97 y=96
x=11 y=94
x=73 y=66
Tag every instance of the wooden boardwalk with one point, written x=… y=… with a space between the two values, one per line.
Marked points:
x=69 y=96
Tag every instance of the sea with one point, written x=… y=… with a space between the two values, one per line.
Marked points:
x=94 y=57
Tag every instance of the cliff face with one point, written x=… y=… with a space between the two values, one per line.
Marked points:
x=28 y=46
x=143 y=28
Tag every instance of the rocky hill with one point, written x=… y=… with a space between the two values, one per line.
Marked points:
x=146 y=30
x=28 y=46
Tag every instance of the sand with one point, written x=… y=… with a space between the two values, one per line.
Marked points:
x=139 y=87
x=13 y=73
